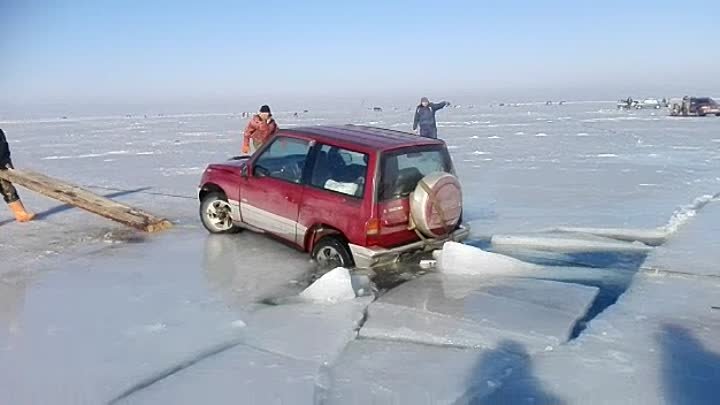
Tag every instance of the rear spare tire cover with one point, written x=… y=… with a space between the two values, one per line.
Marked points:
x=437 y=192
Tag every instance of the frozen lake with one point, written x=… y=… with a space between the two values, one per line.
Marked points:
x=92 y=313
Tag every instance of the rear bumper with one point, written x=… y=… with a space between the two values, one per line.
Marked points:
x=709 y=111
x=369 y=257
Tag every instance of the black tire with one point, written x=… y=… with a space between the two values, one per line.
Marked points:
x=717 y=115
x=331 y=252
x=701 y=114
x=215 y=214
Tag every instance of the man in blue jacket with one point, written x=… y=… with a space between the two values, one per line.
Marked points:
x=425 y=117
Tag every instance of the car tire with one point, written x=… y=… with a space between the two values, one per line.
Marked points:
x=717 y=115
x=215 y=214
x=331 y=252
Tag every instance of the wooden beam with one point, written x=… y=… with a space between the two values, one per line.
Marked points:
x=81 y=198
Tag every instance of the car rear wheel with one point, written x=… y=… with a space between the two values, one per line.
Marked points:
x=331 y=252
x=215 y=214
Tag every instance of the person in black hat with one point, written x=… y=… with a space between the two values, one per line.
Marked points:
x=8 y=191
x=425 y=117
x=259 y=129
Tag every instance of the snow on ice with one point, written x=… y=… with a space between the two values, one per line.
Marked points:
x=333 y=286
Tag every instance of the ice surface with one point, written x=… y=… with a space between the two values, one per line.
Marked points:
x=380 y=372
x=479 y=311
x=89 y=310
x=333 y=286
x=239 y=375
x=650 y=237
x=685 y=213
x=563 y=242
x=457 y=258
x=306 y=331
x=694 y=249
x=87 y=329
x=657 y=345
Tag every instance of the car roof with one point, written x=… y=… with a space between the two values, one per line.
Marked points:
x=364 y=136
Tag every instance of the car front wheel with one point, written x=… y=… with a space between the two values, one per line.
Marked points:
x=215 y=214
x=331 y=252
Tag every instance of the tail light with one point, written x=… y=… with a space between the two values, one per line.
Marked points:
x=372 y=232
x=372 y=227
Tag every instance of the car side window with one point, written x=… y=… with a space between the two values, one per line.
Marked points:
x=340 y=170
x=284 y=159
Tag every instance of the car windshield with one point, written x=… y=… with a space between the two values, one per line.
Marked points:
x=402 y=170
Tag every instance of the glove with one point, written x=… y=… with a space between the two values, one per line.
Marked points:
x=245 y=149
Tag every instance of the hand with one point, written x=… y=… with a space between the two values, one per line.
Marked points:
x=245 y=149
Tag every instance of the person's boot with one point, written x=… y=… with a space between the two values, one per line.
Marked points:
x=21 y=215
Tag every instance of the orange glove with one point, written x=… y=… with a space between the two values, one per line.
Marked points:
x=246 y=147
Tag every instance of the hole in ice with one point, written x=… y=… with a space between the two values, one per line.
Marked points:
x=611 y=271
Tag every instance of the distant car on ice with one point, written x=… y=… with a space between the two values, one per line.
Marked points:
x=348 y=195
x=650 y=103
x=629 y=104
x=700 y=106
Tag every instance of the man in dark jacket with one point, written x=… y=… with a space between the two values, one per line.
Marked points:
x=425 y=117
x=7 y=190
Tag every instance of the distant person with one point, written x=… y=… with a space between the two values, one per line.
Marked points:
x=425 y=117
x=260 y=128
x=685 y=109
x=7 y=189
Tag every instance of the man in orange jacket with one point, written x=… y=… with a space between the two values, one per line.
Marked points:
x=260 y=128
x=7 y=189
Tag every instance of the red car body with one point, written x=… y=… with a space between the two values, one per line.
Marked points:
x=375 y=230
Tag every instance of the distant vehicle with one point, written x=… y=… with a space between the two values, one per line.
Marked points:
x=696 y=106
x=348 y=195
x=649 y=103
x=704 y=106
x=377 y=109
x=630 y=104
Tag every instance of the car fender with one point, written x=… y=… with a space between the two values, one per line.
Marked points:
x=227 y=184
x=317 y=232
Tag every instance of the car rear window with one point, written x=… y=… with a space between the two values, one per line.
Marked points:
x=402 y=170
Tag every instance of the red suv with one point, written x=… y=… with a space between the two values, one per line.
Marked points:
x=349 y=195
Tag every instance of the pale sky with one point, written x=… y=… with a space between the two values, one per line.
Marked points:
x=193 y=53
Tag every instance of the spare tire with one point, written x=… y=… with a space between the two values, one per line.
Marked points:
x=436 y=204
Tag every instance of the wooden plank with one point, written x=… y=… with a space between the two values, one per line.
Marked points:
x=89 y=201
